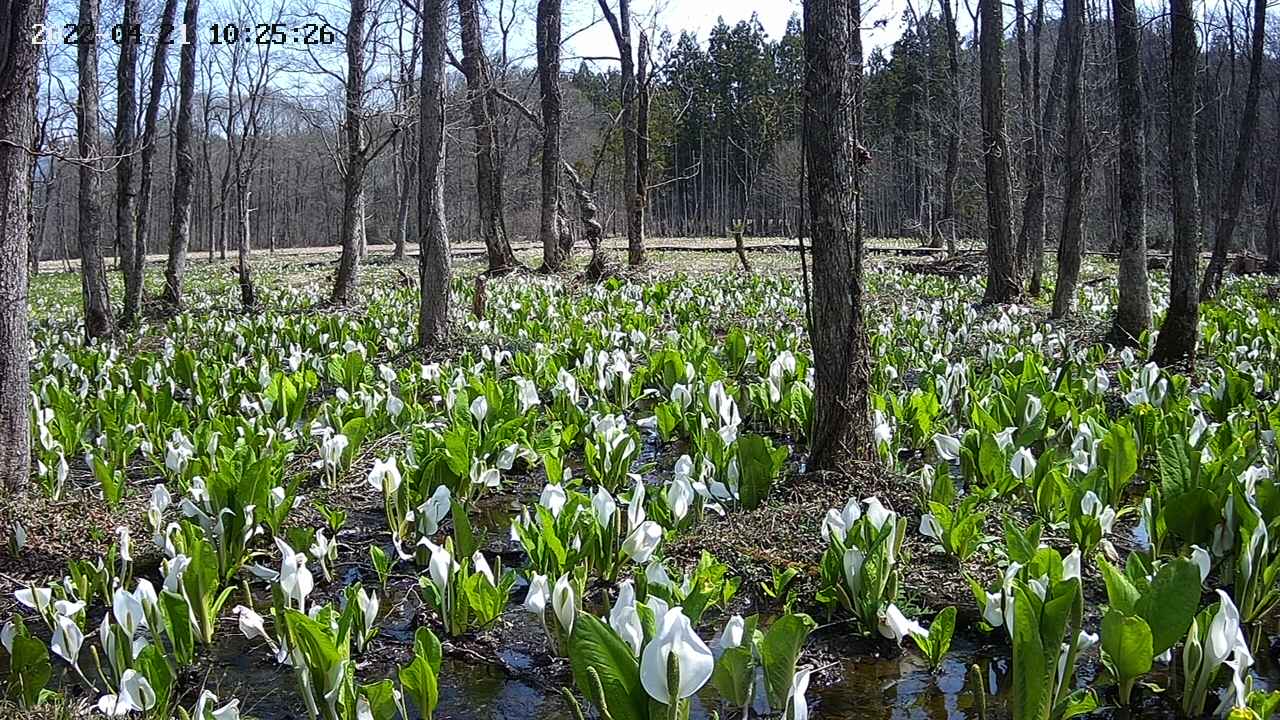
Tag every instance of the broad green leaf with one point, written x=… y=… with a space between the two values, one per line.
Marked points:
x=779 y=652
x=593 y=645
x=1171 y=603
x=1126 y=639
x=381 y=697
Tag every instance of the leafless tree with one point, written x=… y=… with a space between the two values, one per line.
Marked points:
x=1180 y=331
x=150 y=121
x=480 y=100
x=99 y=321
x=1133 y=312
x=841 y=430
x=548 y=42
x=17 y=121
x=434 y=274
x=126 y=138
x=1074 y=187
x=1002 y=270
x=185 y=166
x=1244 y=151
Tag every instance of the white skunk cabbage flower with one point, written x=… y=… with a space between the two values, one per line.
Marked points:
x=676 y=638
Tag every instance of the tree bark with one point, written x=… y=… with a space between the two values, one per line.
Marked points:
x=1240 y=167
x=126 y=137
x=475 y=66
x=948 y=218
x=248 y=294
x=620 y=25
x=150 y=120
x=841 y=433
x=18 y=59
x=635 y=223
x=185 y=164
x=1133 y=313
x=434 y=274
x=548 y=36
x=1002 y=271
x=1071 y=239
x=1180 y=331
x=1273 y=216
x=351 y=226
x=98 y=320
x=1031 y=234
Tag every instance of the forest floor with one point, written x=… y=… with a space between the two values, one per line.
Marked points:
x=510 y=664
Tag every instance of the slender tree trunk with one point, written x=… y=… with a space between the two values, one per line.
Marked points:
x=434 y=275
x=248 y=295
x=355 y=159
x=948 y=219
x=1181 y=328
x=126 y=137
x=18 y=59
x=548 y=37
x=1002 y=271
x=620 y=24
x=1133 y=313
x=150 y=120
x=1273 y=216
x=185 y=164
x=841 y=433
x=1071 y=239
x=404 y=170
x=98 y=320
x=1031 y=234
x=488 y=150
x=635 y=222
x=1240 y=168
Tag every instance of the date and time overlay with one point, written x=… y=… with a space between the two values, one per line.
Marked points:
x=310 y=33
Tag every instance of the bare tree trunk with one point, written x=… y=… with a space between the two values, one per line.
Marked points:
x=488 y=150
x=185 y=164
x=548 y=37
x=126 y=136
x=17 y=121
x=1031 y=234
x=620 y=24
x=98 y=320
x=635 y=222
x=1133 y=313
x=948 y=218
x=150 y=119
x=1071 y=239
x=434 y=274
x=1002 y=271
x=248 y=295
x=841 y=433
x=1181 y=328
x=404 y=171
x=355 y=159
x=1273 y=216
x=1240 y=168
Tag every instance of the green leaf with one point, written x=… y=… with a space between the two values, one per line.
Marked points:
x=29 y=668
x=1031 y=684
x=420 y=678
x=759 y=463
x=733 y=675
x=1170 y=604
x=593 y=646
x=463 y=539
x=1121 y=593
x=1192 y=515
x=1126 y=639
x=779 y=652
x=381 y=697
